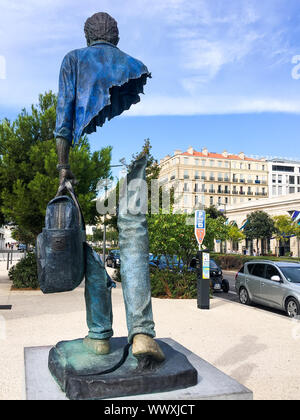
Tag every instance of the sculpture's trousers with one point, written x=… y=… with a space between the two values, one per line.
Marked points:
x=134 y=252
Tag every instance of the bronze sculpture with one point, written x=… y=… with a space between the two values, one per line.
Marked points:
x=96 y=84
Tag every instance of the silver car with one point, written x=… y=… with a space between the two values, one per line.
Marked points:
x=270 y=283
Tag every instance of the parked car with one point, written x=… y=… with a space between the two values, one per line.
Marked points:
x=168 y=262
x=270 y=283
x=113 y=259
x=21 y=247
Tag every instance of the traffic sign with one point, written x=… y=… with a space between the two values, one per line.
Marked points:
x=200 y=226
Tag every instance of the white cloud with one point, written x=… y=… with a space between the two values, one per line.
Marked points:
x=210 y=105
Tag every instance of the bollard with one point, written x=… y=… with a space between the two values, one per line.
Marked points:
x=203 y=279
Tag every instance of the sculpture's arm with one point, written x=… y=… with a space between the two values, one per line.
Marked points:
x=63 y=149
x=64 y=119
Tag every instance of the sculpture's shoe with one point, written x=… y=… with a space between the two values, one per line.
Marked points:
x=99 y=347
x=145 y=347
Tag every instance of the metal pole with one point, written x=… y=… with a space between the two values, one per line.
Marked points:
x=104 y=233
x=7 y=261
x=104 y=242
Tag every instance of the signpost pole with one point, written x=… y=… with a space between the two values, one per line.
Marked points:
x=203 y=263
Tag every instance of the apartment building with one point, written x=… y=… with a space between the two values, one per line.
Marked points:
x=206 y=178
x=284 y=177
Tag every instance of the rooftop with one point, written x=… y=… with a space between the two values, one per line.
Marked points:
x=212 y=155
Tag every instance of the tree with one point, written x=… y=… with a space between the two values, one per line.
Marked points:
x=284 y=228
x=152 y=172
x=234 y=233
x=214 y=213
x=170 y=234
x=260 y=226
x=28 y=174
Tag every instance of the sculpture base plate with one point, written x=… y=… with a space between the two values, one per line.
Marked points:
x=81 y=374
x=212 y=383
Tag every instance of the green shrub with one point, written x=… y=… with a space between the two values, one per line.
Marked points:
x=174 y=285
x=24 y=273
x=235 y=262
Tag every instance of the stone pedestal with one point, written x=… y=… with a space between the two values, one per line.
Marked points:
x=211 y=384
x=82 y=375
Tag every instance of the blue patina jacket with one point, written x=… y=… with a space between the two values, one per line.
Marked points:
x=96 y=83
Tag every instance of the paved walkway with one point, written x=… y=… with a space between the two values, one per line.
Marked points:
x=255 y=347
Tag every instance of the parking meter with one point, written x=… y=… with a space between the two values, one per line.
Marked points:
x=203 y=279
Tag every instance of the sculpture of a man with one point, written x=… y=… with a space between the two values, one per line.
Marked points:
x=96 y=84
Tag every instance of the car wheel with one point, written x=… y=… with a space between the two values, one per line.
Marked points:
x=244 y=296
x=292 y=308
x=225 y=286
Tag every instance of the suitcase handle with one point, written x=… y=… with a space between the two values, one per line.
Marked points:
x=69 y=187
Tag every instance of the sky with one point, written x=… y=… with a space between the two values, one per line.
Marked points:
x=225 y=72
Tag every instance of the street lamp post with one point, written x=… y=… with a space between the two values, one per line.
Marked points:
x=106 y=188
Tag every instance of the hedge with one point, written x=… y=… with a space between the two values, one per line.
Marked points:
x=236 y=262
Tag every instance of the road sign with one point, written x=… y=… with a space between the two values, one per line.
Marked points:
x=200 y=226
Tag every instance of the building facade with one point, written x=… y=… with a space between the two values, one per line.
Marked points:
x=204 y=179
x=284 y=177
x=285 y=205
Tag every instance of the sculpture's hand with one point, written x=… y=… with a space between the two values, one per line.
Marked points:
x=65 y=173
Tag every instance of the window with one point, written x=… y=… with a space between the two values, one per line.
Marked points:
x=259 y=270
x=220 y=164
x=196 y=187
x=186 y=161
x=279 y=179
x=283 y=168
x=196 y=162
x=280 y=190
x=196 y=200
x=273 y=190
x=250 y=268
x=292 y=180
x=212 y=162
x=197 y=176
x=186 y=187
x=211 y=201
x=274 y=178
x=186 y=174
x=271 y=271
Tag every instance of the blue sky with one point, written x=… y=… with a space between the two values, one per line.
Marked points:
x=222 y=69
